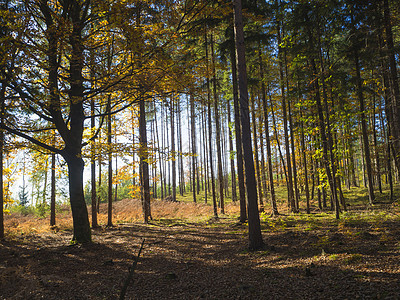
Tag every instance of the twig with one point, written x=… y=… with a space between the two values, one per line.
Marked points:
x=130 y=274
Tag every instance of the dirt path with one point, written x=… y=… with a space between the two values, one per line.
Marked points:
x=205 y=261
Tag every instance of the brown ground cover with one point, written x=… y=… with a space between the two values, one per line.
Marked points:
x=201 y=258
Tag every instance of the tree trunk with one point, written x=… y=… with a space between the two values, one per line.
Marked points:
x=268 y=141
x=394 y=101
x=210 y=134
x=173 y=152
x=144 y=165
x=377 y=159
x=291 y=199
x=238 y=140
x=159 y=150
x=53 y=191
x=93 y=168
x=256 y=160
x=193 y=138
x=181 y=176
x=364 y=130
x=291 y=128
x=255 y=237
x=100 y=177
x=303 y=150
x=217 y=131
x=110 y=172
x=80 y=218
x=321 y=120
x=231 y=155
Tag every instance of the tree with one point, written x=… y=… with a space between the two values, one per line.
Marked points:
x=255 y=237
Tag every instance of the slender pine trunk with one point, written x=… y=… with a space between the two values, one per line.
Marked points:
x=255 y=237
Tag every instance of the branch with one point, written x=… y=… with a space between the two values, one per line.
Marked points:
x=31 y=139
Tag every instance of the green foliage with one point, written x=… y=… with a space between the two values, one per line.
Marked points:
x=123 y=190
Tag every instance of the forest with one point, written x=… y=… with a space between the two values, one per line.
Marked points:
x=199 y=149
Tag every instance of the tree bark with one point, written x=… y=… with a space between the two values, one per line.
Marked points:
x=80 y=218
x=144 y=166
x=53 y=191
x=231 y=156
x=238 y=140
x=210 y=133
x=394 y=101
x=255 y=237
x=194 y=152
x=291 y=199
x=256 y=160
x=268 y=141
x=364 y=129
x=110 y=172
x=173 y=152
x=217 y=131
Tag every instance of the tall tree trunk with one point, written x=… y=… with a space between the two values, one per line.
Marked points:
x=303 y=150
x=100 y=177
x=377 y=159
x=255 y=237
x=364 y=129
x=194 y=153
x=256 y=160
x=53 y=188
x=210 y=133
x=394 y=100
x=292 y=131
x=144 y=165
x=173 y=152
x=110 y=172
x=80 y=218
x=231 y=156
x=217 y=130
x=321 y=120
x=291 y=199
x=205 y=155
x=159 y=150
x=93 y=167
x=179 y=134
x=72 y=152
x=267 y=139
x=238 y=140
x=328 y=127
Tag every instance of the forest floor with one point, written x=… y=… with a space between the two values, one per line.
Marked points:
x=305 y=256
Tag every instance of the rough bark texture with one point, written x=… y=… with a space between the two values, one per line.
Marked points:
x=80 y=218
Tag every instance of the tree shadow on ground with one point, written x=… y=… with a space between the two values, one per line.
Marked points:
x=192 y=261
